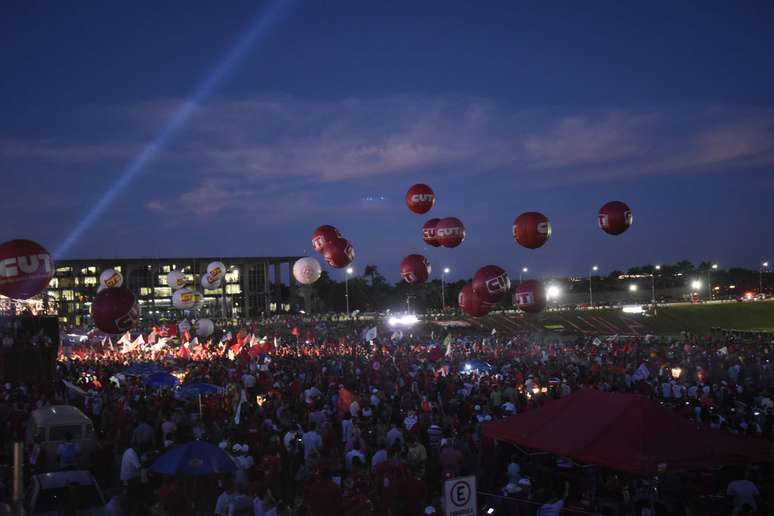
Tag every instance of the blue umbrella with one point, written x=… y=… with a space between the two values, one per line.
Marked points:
x=143 y=369
x=161 y=379
x=197 y=458
x=193 y=390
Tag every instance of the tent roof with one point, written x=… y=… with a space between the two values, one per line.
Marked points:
x=624 y=432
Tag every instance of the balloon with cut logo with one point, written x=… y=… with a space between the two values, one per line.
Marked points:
x=204 y=327
x=450 y=232
x=615 y=217
x=176 y=279
x=530 y=297
x=420 y=198
x=111 y=278
x=415 y=268
x=183 y=299
x=115 y=310
x=210 y=285
x=471 y=304
x=428 y=232
x=215 y=272
x=324 y=234
x=531 y=229
x=338 y=253
x=491 y=284
x=26 y=269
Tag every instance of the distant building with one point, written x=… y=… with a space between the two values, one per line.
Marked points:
x=253 y=285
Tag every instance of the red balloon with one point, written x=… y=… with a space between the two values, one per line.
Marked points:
x=25 y=269
x=428 y=232
x=471 y=304
x=615 y=217
x=450 y=232
x=420 y=198
x=491 y=284
x=338 y=253
x=530 y=297
x=531 y=229
x=115 y=310
x=323 y=235
x=415 y=268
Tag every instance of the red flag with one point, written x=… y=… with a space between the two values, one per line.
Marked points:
x=186 y=337
x=170 y=329
x=184 y=353
x=345 y=400
x=296 y=331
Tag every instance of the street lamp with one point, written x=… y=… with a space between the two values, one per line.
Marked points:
x=524 y=270
x=446 y=271
x=591 y=295
x=553 y=293
x=346 y=287
x=696 y=285
x=633 y=287
x=653 y=284
x=709 y=281
x=764 y=265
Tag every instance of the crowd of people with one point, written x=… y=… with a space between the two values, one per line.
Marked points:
x=321 y=421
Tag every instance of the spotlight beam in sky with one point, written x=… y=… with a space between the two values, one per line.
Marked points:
x=258 y=30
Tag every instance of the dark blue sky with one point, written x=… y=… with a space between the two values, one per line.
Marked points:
x=501 y=107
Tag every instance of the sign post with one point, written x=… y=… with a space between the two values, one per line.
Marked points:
x=459 y=496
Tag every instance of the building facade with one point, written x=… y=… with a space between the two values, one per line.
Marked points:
x=252 y=287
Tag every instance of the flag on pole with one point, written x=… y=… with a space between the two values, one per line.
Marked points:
x=447 y=341
x=152 y=336
x=371 y=334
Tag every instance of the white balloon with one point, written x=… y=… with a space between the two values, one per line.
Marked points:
x=210 y=285
x=215 y=271
x=307 y=270
x=111 y=278
x=204 y=327
x=184 y=299
x=176 y=279
x=198 y=300
x=184 y=325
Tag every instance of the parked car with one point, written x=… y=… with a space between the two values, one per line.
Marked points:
x=62 y=492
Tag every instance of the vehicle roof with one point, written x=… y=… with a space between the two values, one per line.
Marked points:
x=59 y=414
x=59 y=479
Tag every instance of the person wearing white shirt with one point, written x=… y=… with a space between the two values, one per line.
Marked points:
x=354 y=452
x=379 y=457
x=224 y=501
x=394 y=436
x=744 y=493
x=346 y=428
x=312 y=442
x=130 y=466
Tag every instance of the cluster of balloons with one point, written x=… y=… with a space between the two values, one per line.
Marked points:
x=335 y=249
x=26 y=269
x=213 y=280
x=490 y=286
x=203 y=327
x=115 y=308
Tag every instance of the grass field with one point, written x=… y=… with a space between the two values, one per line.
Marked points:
x=698 y=319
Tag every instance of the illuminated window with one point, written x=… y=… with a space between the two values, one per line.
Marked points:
x=166 y=268
x=89 y=270
x=64 y=269
x=68 y=295
x=118 y=268
x=162 y=279
x=53 y=294
x=233 y=276
x=90 y=281
x=163 y=291
x=145 y=291
x=233 y=289
x=189 y=278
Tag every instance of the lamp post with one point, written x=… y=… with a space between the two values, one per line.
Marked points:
x=446 y=271
x=591 y=295
x=653 y=284
x=524 y=270
x=346 y=287
x=709 y=281
x=764 y=265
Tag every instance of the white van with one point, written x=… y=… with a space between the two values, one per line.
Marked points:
x=52 y=424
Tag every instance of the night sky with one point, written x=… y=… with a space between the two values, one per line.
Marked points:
x=235 y=128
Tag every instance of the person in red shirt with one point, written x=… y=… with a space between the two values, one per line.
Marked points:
x=325 y=496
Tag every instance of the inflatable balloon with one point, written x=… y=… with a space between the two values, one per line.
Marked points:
x=530 y=297
x=471 y=304
x=491 y=284
x=415 y=268
x=210 y=285
x=323 y=235
x=184 y=325
x=100 y=288
x=198 y=300
x=428 y=232
x=215 y=272
x=115 y=310
x=307 y=270
x=176 y=279
x=420 y=198
x=450 y=232
x=183 y=299
x=338 y=253
x=531 y=229
x=111 y=278
x=615 y=217
x=204 y=327
x=26 y=268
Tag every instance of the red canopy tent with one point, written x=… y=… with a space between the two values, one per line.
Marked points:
x=625 y=432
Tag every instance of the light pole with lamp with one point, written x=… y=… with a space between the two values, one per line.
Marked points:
x=346 y=287
x=446 y=271
x=764 y=265
x=591 y=295
x=524 y=270
x=653 y=284
x=709 y=281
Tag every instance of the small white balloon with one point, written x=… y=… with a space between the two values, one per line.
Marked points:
x=307 y=270
x=184 y=325
x=204 y=327
x=176 y=279
x=111 y=278
x=209 y=285
x=198 y=300
x=215 y=271
x=184 y=299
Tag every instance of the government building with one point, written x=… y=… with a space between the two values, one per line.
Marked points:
x=253 y=286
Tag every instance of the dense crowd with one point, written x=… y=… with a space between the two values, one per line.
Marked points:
x=323 y=422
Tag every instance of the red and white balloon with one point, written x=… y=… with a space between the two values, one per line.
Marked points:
x=450 y=232
x=531 y=229
x=491 y=284
x=338 y=253
x=471 y=304
x=115 y=310
x=111 y=278
x=415 y=268
x=530 y=297
x=420 y=198
x=615 y=217
x=26 y=268
x=429 y=232
x=324 y=234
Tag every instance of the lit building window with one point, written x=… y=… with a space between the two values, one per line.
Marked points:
x=118 y=268
x=90 y=281
x=64 y=269
x=162 y=279
x=68 y=295
x=233 y=276
x=166 y=268
x=54 y=283
x=233 y=289
x=145 y=291
x=163 y=291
